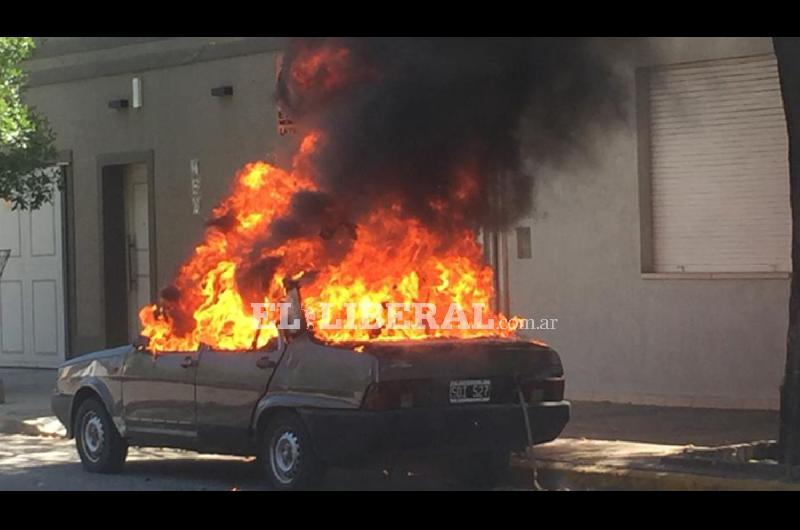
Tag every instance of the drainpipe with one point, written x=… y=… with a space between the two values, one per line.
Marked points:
x=506 y=307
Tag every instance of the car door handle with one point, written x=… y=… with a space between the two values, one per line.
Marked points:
x=188 y=362
x=266 y=362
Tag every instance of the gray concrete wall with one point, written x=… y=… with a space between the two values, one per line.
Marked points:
x=179 y=121
x=624 y=337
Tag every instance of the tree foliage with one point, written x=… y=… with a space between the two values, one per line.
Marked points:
x=26 y=140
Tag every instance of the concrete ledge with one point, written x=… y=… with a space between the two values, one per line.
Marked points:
x=716 y=275
x=675 y=401
x=44 y=426
x=142 y=56
x=589 y=464
x=564 y=476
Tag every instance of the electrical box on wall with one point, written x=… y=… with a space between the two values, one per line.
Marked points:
x=222 y=91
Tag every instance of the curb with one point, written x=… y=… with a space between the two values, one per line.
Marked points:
x=551 y=475
x=560 y=476
x=47 y=426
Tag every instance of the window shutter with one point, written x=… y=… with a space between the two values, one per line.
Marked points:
x=720 y=175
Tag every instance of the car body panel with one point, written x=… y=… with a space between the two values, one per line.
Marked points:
x=101 y=373
x=228 y=389
x=322 y=375
x=463 y=359
x=217 y=402
x=159 y=394
x=353 y=436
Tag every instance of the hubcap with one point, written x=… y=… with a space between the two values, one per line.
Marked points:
x=285 y=456
x=93 y=436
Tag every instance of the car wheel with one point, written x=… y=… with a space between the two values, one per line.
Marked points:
x=482 y=470
x=287 y=455
x=100 y=446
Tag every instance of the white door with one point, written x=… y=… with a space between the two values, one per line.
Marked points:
x=32 y=330
x=137 y=230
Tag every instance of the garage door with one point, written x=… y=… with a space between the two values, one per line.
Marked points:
x=719 y=167
x=32 y=331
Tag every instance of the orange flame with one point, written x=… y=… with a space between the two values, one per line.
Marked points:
x=389 y=258
x=393 y=259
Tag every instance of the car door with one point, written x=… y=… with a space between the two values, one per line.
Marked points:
x=229 y=386
x=158 y=395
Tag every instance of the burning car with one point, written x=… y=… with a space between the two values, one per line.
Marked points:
x=301 y=405
x=364 y=213
x=302 y=399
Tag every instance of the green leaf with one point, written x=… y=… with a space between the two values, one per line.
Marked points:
x=26 y=141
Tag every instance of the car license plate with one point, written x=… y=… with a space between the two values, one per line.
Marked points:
x=470 y=391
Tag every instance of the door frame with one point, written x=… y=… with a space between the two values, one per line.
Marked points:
x=147 y=158
x=66 y=189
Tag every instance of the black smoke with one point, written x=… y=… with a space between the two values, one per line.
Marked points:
x=406 y=118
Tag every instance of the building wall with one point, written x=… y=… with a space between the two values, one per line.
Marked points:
x=629 y=337
x=72 y=82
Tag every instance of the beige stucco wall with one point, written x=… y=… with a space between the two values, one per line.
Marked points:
x=624 y=338
x=179 y=121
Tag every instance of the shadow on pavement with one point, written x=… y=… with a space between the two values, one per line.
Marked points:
x=38 y=463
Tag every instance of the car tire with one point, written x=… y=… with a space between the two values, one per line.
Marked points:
x=287 y=455
x=483 y=470
x=100 y=446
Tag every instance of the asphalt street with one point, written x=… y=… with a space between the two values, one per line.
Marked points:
x=43 y=463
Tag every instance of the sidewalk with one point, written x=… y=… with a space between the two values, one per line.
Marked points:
x=605 y=446
x=669 y=425
x=608 y=446
x=26 y=409
x=586 y=465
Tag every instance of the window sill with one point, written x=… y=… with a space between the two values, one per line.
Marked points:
x=716 y=275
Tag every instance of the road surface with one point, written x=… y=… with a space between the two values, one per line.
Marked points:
x=42 y=463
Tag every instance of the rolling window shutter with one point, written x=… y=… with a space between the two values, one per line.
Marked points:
x=720 y=174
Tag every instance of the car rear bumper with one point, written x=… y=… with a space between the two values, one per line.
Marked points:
x=60 y=405
x=342 y=436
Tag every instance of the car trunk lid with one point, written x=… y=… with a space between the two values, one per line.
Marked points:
x=464 y=359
